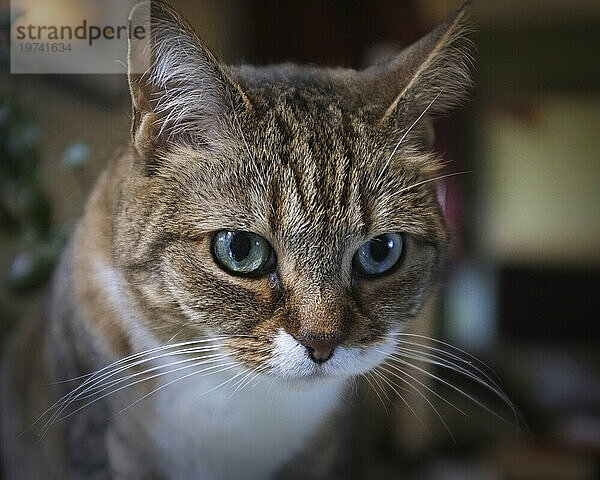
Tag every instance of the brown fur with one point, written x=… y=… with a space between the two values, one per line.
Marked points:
x=299 y=155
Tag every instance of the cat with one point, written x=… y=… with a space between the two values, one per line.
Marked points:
x=262 y=241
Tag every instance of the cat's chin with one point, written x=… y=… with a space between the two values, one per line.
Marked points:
x=317 y=378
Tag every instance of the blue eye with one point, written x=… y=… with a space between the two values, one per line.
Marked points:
x=242 y=253
x=378 y=255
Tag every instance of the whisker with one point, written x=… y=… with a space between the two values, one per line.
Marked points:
x=256 y=375
x=222 y=384
x=387 y=163
x=393 y=387
x=424 y=397
x=113 y=382
x=93 y=376
x=69 y=380
x=238 y=386
x=445 y=344
x=427 y=387
x=150 y=351
x=173 y=337
x=377 y=379
x=439 y=361
x=496 y=391
x=241 y=384
x=479 y=376
x=453 y=387
x=429 y=180
x=412 y=126
x=92 y=383
x=109 y=370
x=54 y=417
x=453 y=357
x=366 y=376
x=225 y=367
x=153 y=391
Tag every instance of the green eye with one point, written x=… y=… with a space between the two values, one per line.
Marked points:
x=242 y=253
x=378 y=255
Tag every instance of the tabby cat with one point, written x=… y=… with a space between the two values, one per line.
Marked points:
x=262 y=241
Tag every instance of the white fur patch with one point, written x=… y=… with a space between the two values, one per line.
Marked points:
x=110 y=282
x=247 y=434
x=290 y=359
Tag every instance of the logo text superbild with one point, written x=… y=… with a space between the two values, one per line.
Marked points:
x=81 y=32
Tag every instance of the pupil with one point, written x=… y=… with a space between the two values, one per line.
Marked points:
x=240 y=246
x=380 y=248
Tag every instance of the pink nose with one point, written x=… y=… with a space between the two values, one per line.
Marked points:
x=319 y=350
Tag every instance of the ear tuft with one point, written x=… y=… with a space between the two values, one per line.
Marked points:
x=427 y=78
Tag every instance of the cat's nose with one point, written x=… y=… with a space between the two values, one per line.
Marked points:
x=320 y=350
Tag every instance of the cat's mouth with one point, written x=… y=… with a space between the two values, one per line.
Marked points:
x=291 y=359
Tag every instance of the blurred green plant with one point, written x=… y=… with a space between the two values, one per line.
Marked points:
x=25 y=209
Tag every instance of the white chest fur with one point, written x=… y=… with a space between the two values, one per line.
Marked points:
x=249 y=434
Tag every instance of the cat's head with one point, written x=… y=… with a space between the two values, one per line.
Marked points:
x=291 y=208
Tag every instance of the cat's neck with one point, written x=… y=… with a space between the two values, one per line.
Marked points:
x=243 y=424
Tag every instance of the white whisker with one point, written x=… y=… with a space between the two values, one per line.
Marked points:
x=429 y=180
x=429 y=389
x=412 y=126
x=63 y=403
x=248 y=378
x=448 y=360
x=54 y=419
x=223 y=368
x=94 y=379
x=222 y=384
x=366 y=376
x=445 y=344
x=406 y=134
x=453 y=387
x=395 y=390
x=433 y=407
x=103 y=387
x=150 y=351
x=445 y=353
x=441 y=362
x=150 y=393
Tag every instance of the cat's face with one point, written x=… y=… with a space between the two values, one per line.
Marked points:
x=287 y=210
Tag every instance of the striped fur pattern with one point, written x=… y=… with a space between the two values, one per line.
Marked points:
x=317 y=162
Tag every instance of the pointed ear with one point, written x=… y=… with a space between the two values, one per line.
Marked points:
x=425 y=79
x=179 y=91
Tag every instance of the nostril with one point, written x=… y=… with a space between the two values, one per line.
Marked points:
x=319 y=350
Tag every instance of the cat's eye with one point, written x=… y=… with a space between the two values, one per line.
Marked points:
x=242 y=253
x=379 y=255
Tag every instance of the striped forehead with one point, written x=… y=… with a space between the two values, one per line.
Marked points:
x=305 y=172
x=317 y=173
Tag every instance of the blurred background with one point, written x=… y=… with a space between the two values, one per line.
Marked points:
x=522 y=291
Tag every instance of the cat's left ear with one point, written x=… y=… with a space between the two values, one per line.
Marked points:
x=425 y=79
x=180 y=92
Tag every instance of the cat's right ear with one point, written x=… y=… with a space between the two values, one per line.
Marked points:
x=179 y=91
